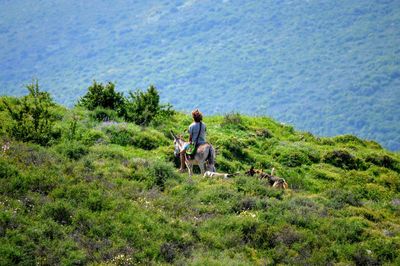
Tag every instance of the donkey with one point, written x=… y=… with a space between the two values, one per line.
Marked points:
x=204 y=157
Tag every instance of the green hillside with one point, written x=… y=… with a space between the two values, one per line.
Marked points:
x=328 y=67
x=108 y=193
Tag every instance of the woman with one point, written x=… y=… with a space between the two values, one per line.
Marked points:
x=197 y=135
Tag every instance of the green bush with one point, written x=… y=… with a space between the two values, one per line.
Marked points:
x=348 y=230
x=60 y=211
x=120 y=135
x=33 y=117
x=233 y=120
x=39 y=181
x=124 y=135
x=97 y=201
x=234 y=149
x=361 y=257
x=165 y=113
x=349 y=139
x=264 y=133
x=160 y=172
x=73 y=149
x=153 y=173
x=225 y=165
x=384 y=160
x=142 y=107
x=343 y=159
x=7 y=170
x=104 y=114
x=148 y=140
x=103 y=96
x=93 y=136
x=341 y=197
x=291 y=156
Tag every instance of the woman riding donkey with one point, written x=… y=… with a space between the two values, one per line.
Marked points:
x=197 y=135
x=204 y=152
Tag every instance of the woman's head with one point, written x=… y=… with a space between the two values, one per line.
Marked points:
x=197 y=115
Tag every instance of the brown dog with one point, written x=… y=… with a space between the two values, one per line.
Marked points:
x=274 y=181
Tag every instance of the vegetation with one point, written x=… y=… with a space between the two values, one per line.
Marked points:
x=140 y=107
x=108 y=193
x=32 y=119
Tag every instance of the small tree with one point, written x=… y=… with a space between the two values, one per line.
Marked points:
x=32 y=117
x=104 y=96
x=141 y=107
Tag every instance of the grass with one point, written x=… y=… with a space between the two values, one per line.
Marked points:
x=109 y=194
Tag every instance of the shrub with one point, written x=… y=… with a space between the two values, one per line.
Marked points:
x=33 y=118
x=142 y=107
x=125 y=135
x=37 y=181
x=7 y=170
x=170 y=250
x=120 y=135
x=339 y=198
x=73 y=150
x=233 y=120
x=264 y=133
x=343 y=159
x=160 y=172
x=233 y=148
x=349 y=139
x=148 y=140
x=153 y=173
x=384 y=161
x=165 y=113
x=96 y=201
x=244 y=205
x=291 y=156
x=93 y=136
x=60 y=211
x=361 y=258
x=104 y=114
x=348 y=230
x=104 y=96
x=227 y=166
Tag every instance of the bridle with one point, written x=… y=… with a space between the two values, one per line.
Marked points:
x=178 y=143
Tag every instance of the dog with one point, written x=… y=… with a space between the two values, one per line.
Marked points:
x=215 y=174
x=274 y=181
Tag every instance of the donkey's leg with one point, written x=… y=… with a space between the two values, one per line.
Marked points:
x=211 y=168
x=190 y=168
x=201 y=165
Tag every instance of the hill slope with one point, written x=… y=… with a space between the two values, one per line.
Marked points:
x=328 y=67
x=109 y=193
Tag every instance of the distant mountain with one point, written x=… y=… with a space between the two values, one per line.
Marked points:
x=329 y=67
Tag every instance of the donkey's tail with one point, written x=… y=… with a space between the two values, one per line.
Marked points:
x=211 y=158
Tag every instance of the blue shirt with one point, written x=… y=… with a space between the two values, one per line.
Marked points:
x=194 y=131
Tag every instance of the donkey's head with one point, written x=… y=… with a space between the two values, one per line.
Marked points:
x=177 y=144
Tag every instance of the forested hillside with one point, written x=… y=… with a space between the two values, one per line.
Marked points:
x=97 y=184
x=328 y=67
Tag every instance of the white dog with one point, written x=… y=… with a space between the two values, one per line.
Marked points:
x=215 y=174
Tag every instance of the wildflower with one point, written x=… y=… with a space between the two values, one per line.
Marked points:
x=5 y=147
